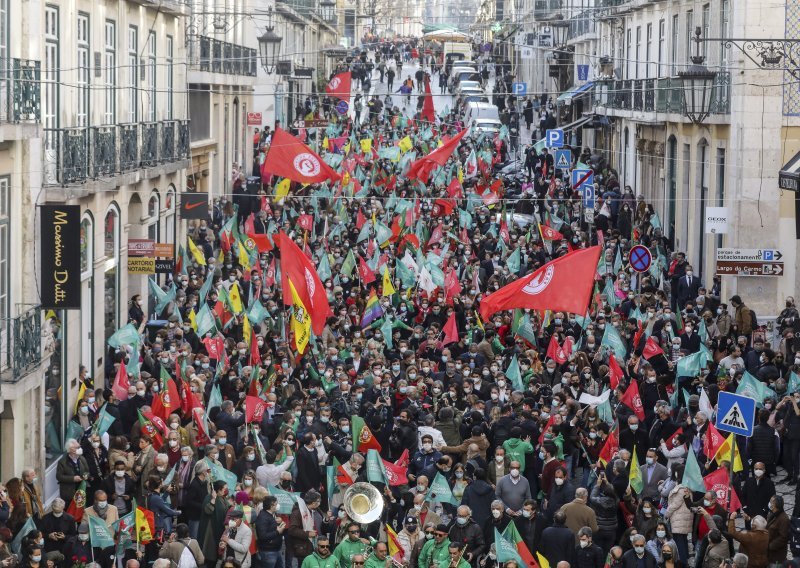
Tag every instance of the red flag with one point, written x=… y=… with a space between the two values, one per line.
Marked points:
x=555 y=352
x=367 y=441
x=550 y=234
x=442 y=207
x=610 y=448
x=651 y=349
x=202 y=435
x=422 y=167
x=262 y=241
x=166 y=401
x=615 y=374
x=339 y=86
x=360 y=219
x=672 y=441
x=452 y=287
x=633 y=400
x=546 y=428
x=305 y=222
x=403 y=460
x=455 y=189
x=564 y=284
x=365 y=272
x=255 y=354
x=450 y=330
x=719 y=482
x=121 y=384
x=504 y=230
x=269 y=276
x=397 y=475
x=428 y=112
x=296 y=266
x=566 y=347
x=288 y=157
x=713 y=442
x=150 y=425
x=254 y=409
x=342 y=477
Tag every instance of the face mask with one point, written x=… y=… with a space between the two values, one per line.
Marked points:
x=462 y=521
x=559 y=480
x=119 y=474
x=593 y=435
x=102 y=504
x=173 y=443
x=141 y=392
x=58 y=515
x=84 y=410
x=639 y=549
x=515 y=472
x=758 y=472
x=501 y=383
x=222 y=441
x=706 y=503
x=403 y=390
x=428 y=536
x=647 y=510
x=421 y=489
x=323 y=419
x=649 y=461
x=185 y=459
x=634 y=427
x=497 y=514
x=83 y=537
x=231 y=524
x=584 y=543
x=459 y=475
x=661 y=534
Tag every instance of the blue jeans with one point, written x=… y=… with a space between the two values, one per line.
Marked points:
x=268 y=559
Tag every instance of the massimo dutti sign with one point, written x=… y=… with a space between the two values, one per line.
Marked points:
x=60 y=283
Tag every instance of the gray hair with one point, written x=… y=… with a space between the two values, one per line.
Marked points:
x=581 y=493
x=638 y=537
x=59 y=503
x=585 y=531
x=758 y=522
x=227 y=405
x=498 y=504
x=187 y=449
x=70 y=442
x=465 y=508
x=162 y=563
x=740 y=560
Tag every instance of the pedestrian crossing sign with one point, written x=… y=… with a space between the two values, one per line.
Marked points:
x=736 y=414
x=563 y=159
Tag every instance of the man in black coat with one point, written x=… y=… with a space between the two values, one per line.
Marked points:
x=761 y=445
x=639 y=556
x=229 y=423
x=57 y=526
x=635 y=435
x=688 y=287
x=466 y=532
x=558 y=542
x=308 y=472
x=757 y=491
x=587 y=554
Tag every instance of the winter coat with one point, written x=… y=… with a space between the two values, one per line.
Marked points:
x=678 y=514
x=478 y=496
x=605 y=507
x=754 y=544
x=762 y=445
x=779 y=528
x=716 y=553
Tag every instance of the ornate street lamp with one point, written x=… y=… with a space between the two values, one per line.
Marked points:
x=269 y=45
x=560 y=33
x=698 y=85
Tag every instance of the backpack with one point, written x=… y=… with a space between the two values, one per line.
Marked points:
x=753 y=320
x=187 y=559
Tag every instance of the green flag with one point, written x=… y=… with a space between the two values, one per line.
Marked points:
x=349 y=264
x=514 y=375
x=257 y=313
x=376 y=471
x=99 y=535
x=286 y=500
x=405 y=274
x=505 y=550
x=324 y=267
x=440 y=492
x=794 y=383
x=220 y=473
x=752 y=387
x=692 y=475
x=205 y=288
x=104 y=421
x=126 y=335
x=513 y=261
x=205 y=320
x=16 y=544
x=215 y=398
x=612 y=339
x=690 y=365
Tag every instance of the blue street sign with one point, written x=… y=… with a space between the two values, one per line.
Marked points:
x=342 y=107
x=519 y=89
x=588 y=197
x=736 y=413
x=562 y=159
x=554 y=138
x=581 y=178
x=583 y=72
x=640 y=258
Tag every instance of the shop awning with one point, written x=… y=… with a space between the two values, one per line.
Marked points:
x=566 y=128
x=789 y=176
x=566 y=97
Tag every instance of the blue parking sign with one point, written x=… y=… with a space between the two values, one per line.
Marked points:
x=519 y=89
x=554 y=138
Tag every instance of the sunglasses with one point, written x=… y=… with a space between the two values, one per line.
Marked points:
x=358 y=563
x=441 y=534
x=428 y=532
x=323 y=546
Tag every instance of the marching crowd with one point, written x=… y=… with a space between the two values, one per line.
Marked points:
x=227 y=432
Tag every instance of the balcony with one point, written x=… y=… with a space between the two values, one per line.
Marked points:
x=81 y=154
x=22 y=348
x=544 y=10
x=663 y=95
x=214 y=56
x=581 y=25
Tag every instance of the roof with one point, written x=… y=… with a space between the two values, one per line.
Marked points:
x=576 y=90
x=789 y=176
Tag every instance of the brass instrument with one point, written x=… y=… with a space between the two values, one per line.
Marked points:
x=457 y=561
x=363 y=503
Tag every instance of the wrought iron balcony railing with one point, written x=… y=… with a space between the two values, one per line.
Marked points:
x=128 y=147
x=210 y=54
x=182 y=147
x=103 y=140
x=20 y=91
x=149 y=151
x=23 y=344
x=664 y=95
x=168 y=141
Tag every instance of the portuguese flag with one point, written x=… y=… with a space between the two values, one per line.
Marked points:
x=78 y=503
x=150 y=430
x=511 y=534
x=363 y=439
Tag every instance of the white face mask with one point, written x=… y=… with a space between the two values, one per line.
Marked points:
x=119 y=474
x=497 y=513
x=499 y=459
x=515 y=472
x=559 y=480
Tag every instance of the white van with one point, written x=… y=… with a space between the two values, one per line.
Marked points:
x=475 y=111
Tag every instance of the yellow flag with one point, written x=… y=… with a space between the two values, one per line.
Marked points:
x=440 y=144
x=235 y=298
x=730 y=453
x=388 y=287
x=282 y=189
x=366 y=145
x=246 y=330
x=81 y=393
x=244 y=258
x=143 y=533
x=345 y=179
x=193 y=319
x=392 y=541
x=460 y=175
x=405 y=144
x=543 y=563
x=301 y=322
x=221 y=257
x=198 y=256
x=346 y=148
x=325 y=142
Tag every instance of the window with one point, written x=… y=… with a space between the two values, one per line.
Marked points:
x=169 y=223
x=3 y=35
x=638 y=49
x=662 y=32
x=724 y=21
x=86 y=247
x=153 y=207
x=629 y=53
x=674 y=47
x=170 y=76
x=706 y=29
x=151 y=77
x=5 y=182
x=133 y=72
x=110 y=65
x=111 y=279
x=689 y=33
x=83 y=69
x=50 y=81
x=649 y=52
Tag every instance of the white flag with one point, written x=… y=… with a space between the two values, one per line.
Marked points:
x=705 y=404
x=426 y=281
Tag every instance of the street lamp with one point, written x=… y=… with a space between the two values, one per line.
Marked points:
x=269 y=45
x=560 y=32
x=698 y=85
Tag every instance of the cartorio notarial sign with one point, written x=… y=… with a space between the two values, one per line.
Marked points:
x=60 y=280
x=141 y=265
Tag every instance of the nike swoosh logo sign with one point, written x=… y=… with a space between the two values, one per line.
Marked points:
x=190 y=206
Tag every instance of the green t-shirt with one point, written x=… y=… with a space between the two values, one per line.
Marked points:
x=347 y=549
x=432 y=552
x=317 y=561
x=516 y=450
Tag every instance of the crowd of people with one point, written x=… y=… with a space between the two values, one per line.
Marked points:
x=221 y=435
